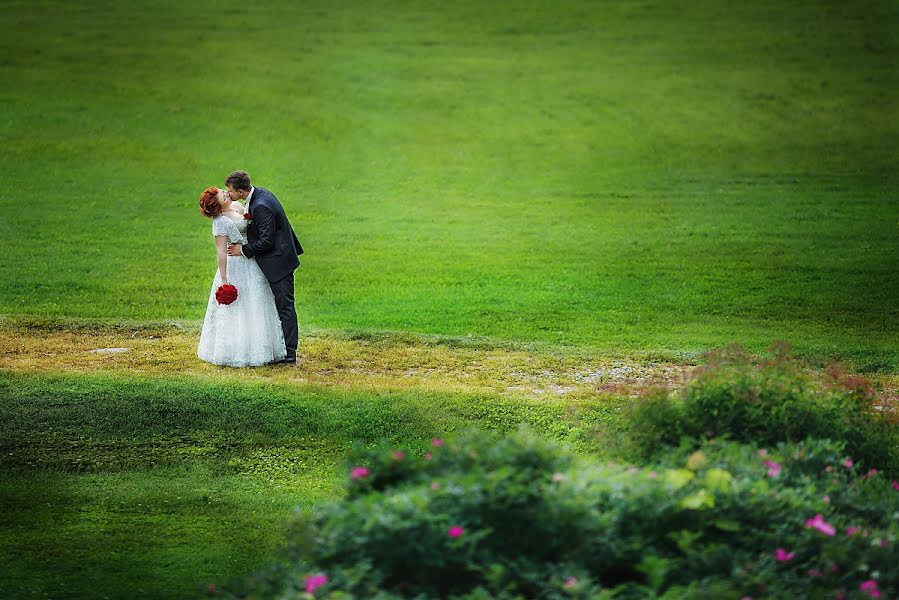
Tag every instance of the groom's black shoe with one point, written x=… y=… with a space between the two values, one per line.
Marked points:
x=289 y=360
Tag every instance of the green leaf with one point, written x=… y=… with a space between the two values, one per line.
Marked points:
x=718 y=479
x=684 y=539
x=726 y=525
x=678 y=478
x=760 y=487
x=655 y=568
x=698 y=500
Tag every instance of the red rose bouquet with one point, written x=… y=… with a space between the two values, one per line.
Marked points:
x=226 y=294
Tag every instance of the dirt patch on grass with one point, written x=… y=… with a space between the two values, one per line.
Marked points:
x=330 y=361
x=384 y=363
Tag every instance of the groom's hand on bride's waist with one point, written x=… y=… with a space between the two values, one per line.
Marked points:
x=235 y=250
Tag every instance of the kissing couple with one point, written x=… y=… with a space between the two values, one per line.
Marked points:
x=250 y=319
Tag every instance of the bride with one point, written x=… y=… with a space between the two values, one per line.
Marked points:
x=247 y=332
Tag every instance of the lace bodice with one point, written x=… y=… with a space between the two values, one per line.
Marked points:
x=234 y=231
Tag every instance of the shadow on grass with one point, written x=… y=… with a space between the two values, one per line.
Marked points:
x=134 y=486
x=157 y=533
x=66 y=411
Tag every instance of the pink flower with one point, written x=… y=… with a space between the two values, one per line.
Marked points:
x=814 y=573
x=313 y=582
x=841 y=595
x=895 y=484
x=436 y=442
x=828 y=469
x=834 y=568
x=884 y=543
x=850 y=531
x=359 y=473
x=398 y=455
x=428 y=456
x=652 y=474
x=871 y=473
x=435 y=485
x=781 y=555
x=557 y=477
x=848 y=463
x=569 y=582
x=763 y=453
x=821 y=525
x=826 y=499
x=632 y=470
x=456 y=531
x=869 y=587
x=773 y=468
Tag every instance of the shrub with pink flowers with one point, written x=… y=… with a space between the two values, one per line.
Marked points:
x=520 y=517
x=768 y=401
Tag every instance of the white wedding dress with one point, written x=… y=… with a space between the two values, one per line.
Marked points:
x=247 y=332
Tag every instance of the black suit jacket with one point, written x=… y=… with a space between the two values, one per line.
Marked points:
x=270 y=238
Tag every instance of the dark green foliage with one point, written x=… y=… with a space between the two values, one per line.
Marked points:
x=540 y=523
x=768 y=401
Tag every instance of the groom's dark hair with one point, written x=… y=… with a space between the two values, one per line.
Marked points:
x=239 y=180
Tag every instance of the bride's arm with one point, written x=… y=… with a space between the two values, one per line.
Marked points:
x=221 y=247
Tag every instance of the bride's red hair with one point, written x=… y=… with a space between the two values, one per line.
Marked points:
x=209 y=203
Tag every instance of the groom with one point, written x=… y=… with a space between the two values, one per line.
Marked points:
x=271 y=240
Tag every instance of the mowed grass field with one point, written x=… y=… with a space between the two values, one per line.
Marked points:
x=509 y=210
x=624 y=176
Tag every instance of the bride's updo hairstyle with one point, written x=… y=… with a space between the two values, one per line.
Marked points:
x=209 y=202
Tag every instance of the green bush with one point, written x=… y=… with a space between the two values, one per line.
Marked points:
x=739 y=397
x=519 y=517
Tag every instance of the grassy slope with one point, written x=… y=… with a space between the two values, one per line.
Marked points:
x=156 y=486
x=625 y=176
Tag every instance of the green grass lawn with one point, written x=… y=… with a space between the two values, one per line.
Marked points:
x=638 y=179
x=130 y=486
x=624 y=176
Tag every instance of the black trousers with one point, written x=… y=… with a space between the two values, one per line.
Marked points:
x=287 y=312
